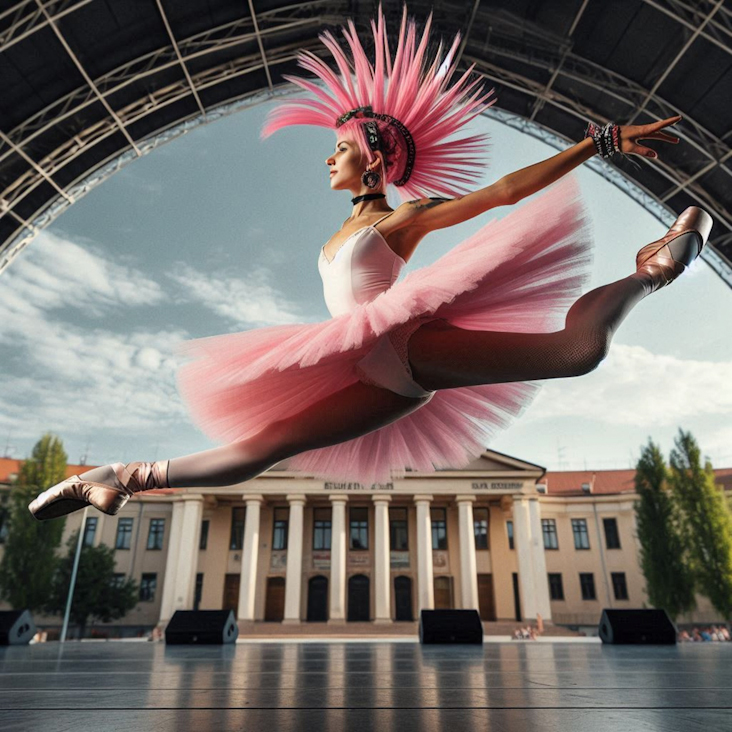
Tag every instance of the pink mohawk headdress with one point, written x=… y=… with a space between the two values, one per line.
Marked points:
x=408 y=122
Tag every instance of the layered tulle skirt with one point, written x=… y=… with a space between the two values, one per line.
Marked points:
x=520 y=273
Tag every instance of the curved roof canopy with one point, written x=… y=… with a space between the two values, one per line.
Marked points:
x=87 y=85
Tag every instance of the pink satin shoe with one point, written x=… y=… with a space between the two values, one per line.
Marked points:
x=75 y=493
x=664 y=260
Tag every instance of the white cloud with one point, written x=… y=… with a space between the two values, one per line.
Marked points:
x=85 y=381
x=81 y=380
x=249 y=301
x=54 y=272
x=634 y=386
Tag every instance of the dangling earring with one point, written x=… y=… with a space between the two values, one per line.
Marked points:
x=370 y=178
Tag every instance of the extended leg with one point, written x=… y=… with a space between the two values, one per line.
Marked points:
x=349 y=413
x=445 y=357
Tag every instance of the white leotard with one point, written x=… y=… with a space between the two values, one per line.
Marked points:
x=363 y=267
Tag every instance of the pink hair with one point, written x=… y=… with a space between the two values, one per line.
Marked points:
x=418 y=98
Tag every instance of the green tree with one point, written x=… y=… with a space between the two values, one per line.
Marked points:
x=29 y=560
x=96 y=593
x=707 y=522
x=663 y=560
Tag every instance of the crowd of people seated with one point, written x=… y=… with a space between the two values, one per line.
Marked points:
x=708 y=633
x=527 y=633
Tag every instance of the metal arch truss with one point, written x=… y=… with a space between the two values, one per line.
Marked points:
x=33 y=15
x=503 y=37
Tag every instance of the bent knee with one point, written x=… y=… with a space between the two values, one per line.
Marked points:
x=592 y=353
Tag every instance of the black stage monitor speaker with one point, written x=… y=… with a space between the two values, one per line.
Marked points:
x=450 y=626
x=16 y=627
x=202 y=626
x=651 y=625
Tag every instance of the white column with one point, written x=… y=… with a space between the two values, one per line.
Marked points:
x=338 y=560
x=293 y=581
x=425 y=582
x=522 y=539
x=171 y=562
x=249 y=557
x=185 y=576
x=382 y=563
x=538 y=559
x=468 y=567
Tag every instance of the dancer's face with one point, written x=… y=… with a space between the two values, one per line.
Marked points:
x=347 y=166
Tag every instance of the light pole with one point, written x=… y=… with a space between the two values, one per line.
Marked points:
x=73 y=576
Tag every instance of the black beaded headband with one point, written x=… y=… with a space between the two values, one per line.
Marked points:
x=374 y=138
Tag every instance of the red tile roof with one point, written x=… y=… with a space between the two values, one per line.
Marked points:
x=607 y=482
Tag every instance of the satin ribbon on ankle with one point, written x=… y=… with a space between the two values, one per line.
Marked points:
x=144 y=476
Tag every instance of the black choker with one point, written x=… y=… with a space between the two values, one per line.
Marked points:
x=367 y=197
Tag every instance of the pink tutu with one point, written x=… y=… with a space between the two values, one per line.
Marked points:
x=520 y=273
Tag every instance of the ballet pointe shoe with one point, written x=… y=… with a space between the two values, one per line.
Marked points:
x=664 y=260
x=75 y=493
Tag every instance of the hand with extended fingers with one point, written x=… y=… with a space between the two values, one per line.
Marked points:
x=629 y=134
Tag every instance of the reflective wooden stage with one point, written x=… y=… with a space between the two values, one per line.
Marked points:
x=128 y=686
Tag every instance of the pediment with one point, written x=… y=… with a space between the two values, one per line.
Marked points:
x=491 y=461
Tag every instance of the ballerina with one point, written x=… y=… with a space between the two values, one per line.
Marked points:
x=417 y=374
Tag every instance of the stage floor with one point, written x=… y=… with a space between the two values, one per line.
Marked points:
x=126 y=686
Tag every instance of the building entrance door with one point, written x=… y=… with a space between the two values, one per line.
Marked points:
x=443 y=593
x=486 y=599
x=231 y=593
x=318 y=599
x=403 y=598
x=274 y=608
x=516 y=596
x=358 y=598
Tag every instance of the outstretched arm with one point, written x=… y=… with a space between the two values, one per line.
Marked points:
x=528 y=181
x=430 y=213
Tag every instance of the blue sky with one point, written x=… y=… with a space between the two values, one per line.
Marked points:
x=217 y=232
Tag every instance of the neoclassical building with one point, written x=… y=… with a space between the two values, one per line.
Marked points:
x=502 y=535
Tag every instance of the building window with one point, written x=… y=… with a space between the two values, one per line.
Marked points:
x=556 y=590
x=612 y=538
x=124 y=533
x=359 y=528
x=90 y=528
x=620 y=588
x=279 y=529
x=118 y=579
x=199 y=590
x=155 y=537
x=321 y=529
x=237 y=527
x=203 y=542
x=480 y=527
x=398 y=530
x=147 y=587
x=509 y=529
x=439 y=528
x=587 y=584
x=549 y=529
x=581 y=537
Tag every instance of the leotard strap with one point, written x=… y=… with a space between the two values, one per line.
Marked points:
x=383 y=217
